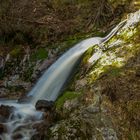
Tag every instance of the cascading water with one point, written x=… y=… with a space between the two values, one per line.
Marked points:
x=52 y=81
x=48 y=87
x=21 y=120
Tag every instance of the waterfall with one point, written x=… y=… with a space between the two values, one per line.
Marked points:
x=50 y=84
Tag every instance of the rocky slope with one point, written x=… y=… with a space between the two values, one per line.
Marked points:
x=108 y=104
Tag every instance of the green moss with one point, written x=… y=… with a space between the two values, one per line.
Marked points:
x=107 y=64
x=88 y=54
x=112 y=70
x=112 y=40
x=40 y=54
x=68 y=95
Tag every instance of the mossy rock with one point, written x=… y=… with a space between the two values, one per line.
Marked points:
x=112 y=70
x=88 y=54
x=68 y=95
x=40 y=54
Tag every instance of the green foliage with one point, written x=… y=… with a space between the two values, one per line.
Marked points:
x=40 y=54
x=68 y=95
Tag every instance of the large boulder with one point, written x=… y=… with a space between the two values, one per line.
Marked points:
x=44 y=105
x=48 y=118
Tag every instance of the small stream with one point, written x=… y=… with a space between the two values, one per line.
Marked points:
x=21 y=120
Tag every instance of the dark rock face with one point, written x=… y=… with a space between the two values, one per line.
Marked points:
x=1 y=62
x=49 y=115
x=5 y=112
x=48 y=118
x=37 y=137
x=44 y=105
x=2 y=128
x=17 y=136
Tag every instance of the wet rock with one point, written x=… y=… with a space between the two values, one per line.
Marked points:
x=3 y=92
x=5 y=112
x=41 y=130
x=44 y=105
x=37 y=137
x=49 y=111
x=17 y=136
x=48 y=118
x=24 y=99
x=2 y=128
